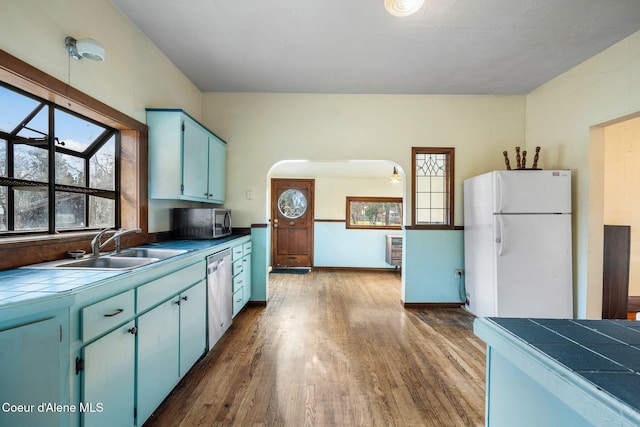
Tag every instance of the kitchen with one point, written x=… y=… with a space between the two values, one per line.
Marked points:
x=265 y=128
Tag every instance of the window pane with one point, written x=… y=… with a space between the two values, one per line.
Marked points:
x=69 y=170
x=3 y=157
x=102 y=212
x=70 y=210
x=37 y=127
x=102 y=170
x=432 y=185
x=14 y=107
x=374 y=212
x=3 y=209
x=31 y=209
x=31 y=163
x=75 y=133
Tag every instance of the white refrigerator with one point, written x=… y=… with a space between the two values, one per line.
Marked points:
x=517 y=244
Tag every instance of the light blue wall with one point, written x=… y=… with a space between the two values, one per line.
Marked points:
x=337 y=246
x=430 y=258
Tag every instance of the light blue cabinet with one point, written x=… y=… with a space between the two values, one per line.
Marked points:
x=158 y=353
x=186 y=160
x=109 y=366
x=30 y=357
x=193 y=325
x=241 y=257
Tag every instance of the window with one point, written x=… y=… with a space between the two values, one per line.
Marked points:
x=57 y=169
x=374 y=212
x=432 y=182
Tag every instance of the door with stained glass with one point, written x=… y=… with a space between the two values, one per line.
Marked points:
x=292 y=222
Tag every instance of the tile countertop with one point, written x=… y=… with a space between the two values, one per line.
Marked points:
x=27 y=284
x=604 y=352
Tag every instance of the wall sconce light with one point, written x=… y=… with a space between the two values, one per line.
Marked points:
x=84 y=48
x=403 y=7
x=395 y=176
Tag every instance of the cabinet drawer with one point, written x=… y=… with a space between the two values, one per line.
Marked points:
x=171 y=284
x=238 y=282
x=238 y=299
x=246 y=248
x=237 y=267
x=104 y=315
x=236 y=253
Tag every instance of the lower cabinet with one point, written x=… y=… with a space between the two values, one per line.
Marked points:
x=158 y=356
x=171 y=338
x=193 y=325
x=30 y=373
x=241 y=276
x=108 y=392
x=139 y=344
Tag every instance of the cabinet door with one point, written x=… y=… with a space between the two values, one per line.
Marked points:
x=30 y=372
x=157 y=356
x=217 y=169
x=108 y=379
x=193 y=338
x=195 y=161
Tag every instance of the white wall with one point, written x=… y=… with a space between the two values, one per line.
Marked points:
x=262 y=129
x=558 y=117
x=135 y=74
x=622 y=188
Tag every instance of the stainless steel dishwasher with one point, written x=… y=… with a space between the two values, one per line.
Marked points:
x=219 y=295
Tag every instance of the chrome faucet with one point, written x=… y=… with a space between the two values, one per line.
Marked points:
x=96 y=245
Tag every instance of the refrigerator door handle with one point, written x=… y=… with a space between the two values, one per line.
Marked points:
x=500 y=237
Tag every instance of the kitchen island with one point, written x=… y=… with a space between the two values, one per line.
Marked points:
x=556 y=372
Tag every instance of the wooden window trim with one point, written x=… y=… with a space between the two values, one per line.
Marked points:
x=370 y=199
x=16 y=252
x=450 y=152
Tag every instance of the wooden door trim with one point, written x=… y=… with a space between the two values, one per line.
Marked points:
x=272 y=206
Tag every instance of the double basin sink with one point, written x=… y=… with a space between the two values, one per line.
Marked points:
x=126 y=259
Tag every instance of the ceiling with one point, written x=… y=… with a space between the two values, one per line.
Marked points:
x=496 y=47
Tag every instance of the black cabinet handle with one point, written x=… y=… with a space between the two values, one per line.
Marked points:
x=133 y=331
x=184 y=298
x=115 y=313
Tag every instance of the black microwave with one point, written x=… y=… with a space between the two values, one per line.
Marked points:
x=201 y=223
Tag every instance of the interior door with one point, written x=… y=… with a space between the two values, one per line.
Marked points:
x=292 y=222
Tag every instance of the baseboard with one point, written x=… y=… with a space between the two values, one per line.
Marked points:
x=256 y=303
x=367 y=269
x=432 y=305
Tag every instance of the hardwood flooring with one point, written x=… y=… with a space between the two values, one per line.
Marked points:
x=336 y=349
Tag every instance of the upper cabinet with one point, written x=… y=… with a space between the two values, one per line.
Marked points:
x=186 y=160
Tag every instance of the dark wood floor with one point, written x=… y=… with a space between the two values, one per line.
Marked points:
x=336 y=349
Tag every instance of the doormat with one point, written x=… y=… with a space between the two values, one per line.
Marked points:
x=297 y=270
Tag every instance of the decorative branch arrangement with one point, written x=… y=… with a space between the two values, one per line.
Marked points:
x=521 y=160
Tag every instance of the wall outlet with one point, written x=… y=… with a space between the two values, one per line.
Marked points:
x=458 y=272
x=249 y=194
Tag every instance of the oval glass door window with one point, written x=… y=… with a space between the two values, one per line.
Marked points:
x=292 y=204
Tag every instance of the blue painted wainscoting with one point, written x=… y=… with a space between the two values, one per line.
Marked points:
x=429 y=263
x=337 y=246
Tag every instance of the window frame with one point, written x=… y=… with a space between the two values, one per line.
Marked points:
x=51 y=186
x=372 y=200
x=449 y=152
x=23 y=250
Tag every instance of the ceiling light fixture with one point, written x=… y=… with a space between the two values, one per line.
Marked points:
x=395 y=176
x=84 y=48
x=403 y=7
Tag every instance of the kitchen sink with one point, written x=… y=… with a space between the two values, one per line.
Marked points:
x=107 y=263
x=126 y=259
x=148 y=253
